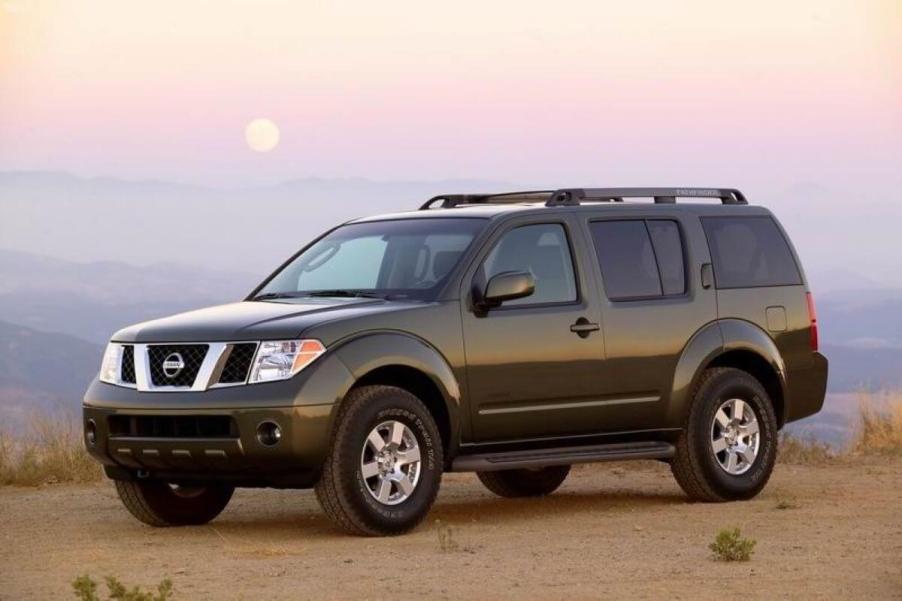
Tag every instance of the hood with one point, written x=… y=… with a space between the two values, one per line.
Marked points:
x=252 y=320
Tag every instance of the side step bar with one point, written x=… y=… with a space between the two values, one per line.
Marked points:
x=488 y=462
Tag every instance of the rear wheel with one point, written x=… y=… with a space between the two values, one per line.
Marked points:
x=729 y=445
x=161 y=504
x=385 y=464
x=525 y=482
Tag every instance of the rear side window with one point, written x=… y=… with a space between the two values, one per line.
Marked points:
x=665 y=237
x=749 y=252
x=639 y=259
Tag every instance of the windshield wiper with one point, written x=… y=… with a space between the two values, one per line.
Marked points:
x=342 y=293
x=275 y=295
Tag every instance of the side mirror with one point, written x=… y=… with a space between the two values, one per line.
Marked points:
x=507 y=286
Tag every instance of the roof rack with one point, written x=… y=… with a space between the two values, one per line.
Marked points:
x=575 y=196
x=452 y=200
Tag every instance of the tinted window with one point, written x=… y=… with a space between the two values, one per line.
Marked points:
x=406 y=258
x=627 y=259
x=665 y=236
x=541 y=250
x=749 y=252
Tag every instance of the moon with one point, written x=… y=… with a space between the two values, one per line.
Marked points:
x=262 y=135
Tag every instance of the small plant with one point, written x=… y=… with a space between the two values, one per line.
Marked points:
x=446 y=540
x=86 y=590
x=786 y=504
x=729 y=545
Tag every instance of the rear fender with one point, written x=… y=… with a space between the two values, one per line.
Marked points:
x=716 y=339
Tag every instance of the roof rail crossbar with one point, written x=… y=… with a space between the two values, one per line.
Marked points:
x=452 y=200
x=574 y=196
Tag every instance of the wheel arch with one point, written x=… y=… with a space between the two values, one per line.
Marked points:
x=729 y=343
x=408 y=362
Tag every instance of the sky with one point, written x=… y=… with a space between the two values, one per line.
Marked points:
x=575 y=92
x=798 y=103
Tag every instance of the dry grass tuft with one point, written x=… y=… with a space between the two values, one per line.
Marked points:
x=880 y=425
x=804 y=451
x=52 y=451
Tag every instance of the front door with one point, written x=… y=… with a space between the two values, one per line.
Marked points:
x=529 y=373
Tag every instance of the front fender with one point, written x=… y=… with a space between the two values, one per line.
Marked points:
x=367 y=352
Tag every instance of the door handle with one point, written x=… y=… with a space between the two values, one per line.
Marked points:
x=583 y=327
x=707 y=275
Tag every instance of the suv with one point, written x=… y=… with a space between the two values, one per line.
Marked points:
x=513 y=335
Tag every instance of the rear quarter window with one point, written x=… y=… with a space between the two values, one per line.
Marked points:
x=749 y=252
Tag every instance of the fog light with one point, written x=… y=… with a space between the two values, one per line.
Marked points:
x=91 y=432
x=269 y=433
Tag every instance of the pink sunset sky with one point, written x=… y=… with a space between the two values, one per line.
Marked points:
x=574 y=93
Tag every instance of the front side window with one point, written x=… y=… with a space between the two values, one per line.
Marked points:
x=405 y=258
x=541 y=250
x=639 y=258
x=749 y=252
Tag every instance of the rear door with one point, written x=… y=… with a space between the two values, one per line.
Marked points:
x=652 y=302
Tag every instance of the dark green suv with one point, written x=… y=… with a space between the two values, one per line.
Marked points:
x=508 y=334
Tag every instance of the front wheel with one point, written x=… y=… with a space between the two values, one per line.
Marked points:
x=161 y=504
x=385 y=464
x=728 y=447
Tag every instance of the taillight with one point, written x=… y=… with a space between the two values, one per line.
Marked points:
x=812 y=317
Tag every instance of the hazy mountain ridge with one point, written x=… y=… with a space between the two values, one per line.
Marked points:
x=252 y=229
x=93 y=300
x=242 y=229
x=42 y=372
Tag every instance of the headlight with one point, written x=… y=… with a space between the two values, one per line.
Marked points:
x=281 y=359
x=110 y=366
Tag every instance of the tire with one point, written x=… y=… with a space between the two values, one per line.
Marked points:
x=525 y=482
x=159 y=504
x=708 y=474
x=354 y=501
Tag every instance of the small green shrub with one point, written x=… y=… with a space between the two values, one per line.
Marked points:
x=729 y=545
x=86 y=590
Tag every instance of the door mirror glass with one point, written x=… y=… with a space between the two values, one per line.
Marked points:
x=508 y=286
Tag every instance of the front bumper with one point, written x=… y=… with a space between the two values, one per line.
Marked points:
x=163 y=435
x=240 y=458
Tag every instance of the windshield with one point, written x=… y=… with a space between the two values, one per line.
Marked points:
x=408 y=258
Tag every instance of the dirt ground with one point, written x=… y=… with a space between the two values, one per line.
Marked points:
x=613 y=531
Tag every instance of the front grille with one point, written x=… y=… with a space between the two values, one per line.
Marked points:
x=127 y=369
x=192 y=356
x=238 y=363
x=171 y=426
